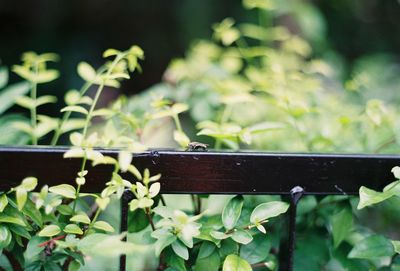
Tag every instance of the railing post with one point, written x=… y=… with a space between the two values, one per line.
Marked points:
x=127 y=196
x=295 y=195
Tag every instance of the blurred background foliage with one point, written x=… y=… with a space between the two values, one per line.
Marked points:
x=351 y=34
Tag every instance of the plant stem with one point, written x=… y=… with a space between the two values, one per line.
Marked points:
x=33 y=108
x=147 y=211
x=177 y=123
x=66 y=116
x=89 y=118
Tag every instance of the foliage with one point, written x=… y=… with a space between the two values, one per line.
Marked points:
x=249 y=88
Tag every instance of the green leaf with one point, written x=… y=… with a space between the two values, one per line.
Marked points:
x=3 y=202
x=267 y=210
x=29 y=183
x=369 y=197
x=65 y=190
x=24 y=72
x=73 y=228
x=21 y=231
x=65 y=209
x=21 y=195
x=342 y=224
x=33 y=250
x=5 y=236
x=104 y=245
x=374 y=246
x=46 y=76
x=235 y=263
x=10 y=94
x=82 y=218
x=209 y=263
x=124 y=160
x=86 y=72
x=11 y=219
x=3 y=77
x=104 y=226
x=174 y=261
x=49 y=231
x=74 y=266
x=110 y=52
x=33 y=213
x=396 y=246
x=257 y=250
x=219 y=235
x=45 y=100
x=9 y=134
x=242 y=237
x=181 y=138
x=206 y=249
x=232 y=211
x=180 y=250
x=25 y=102
x=163 y=242
x=75 y=108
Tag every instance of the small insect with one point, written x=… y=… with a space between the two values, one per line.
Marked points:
x=197 y=146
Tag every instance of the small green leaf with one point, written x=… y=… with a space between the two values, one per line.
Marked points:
x=370 y=197
x=181 y=138
x=219 y=235
x=65 y=190
x=104 y=226
x=268 y=210
x=163 y=242
x=75 y=108
x=49 y=231
x=82 y=218
x=235 y=263
x=21 y=195
x=74 y=266
x=232 y=211
x=65 y=209
x=374 y=246
x=154 y=190
x=33 y=250
x=5 y=236
x=342 y=224
x=11 y=219
x=45 y=76
x=206 y=249
x=180 y=250
x=29 y=183
x=9 y=95
x=73 y=228
x=3 y=202
x=110 y=52
x=124 y=160
x=86 y=72
x=242 y=237
x=396 y=172
x=3 y=77
x=105 y=245
x=45 y=100
x=25 y=102
x=257 y=250
x=396 y=246
x=209 y=263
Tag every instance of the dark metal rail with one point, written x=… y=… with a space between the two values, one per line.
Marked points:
x=289 y=174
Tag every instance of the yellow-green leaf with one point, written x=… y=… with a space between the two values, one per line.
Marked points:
x=104 y=226
x=50 y=231
x=65 y=190
x=73 y=228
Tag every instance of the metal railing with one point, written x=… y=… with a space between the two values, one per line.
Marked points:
x=286 y=174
